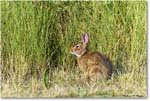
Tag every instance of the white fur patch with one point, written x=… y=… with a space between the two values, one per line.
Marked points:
x=74 y=53
x=78 y=55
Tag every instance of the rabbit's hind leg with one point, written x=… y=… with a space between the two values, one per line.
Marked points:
x=95 y=73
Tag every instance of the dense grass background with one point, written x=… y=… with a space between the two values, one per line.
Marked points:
x=36 y=37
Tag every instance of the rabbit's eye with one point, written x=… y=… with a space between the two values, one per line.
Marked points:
x=77 y=46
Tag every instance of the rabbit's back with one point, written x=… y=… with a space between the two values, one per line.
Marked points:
x=91 y=60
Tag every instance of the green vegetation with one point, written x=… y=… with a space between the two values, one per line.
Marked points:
x=35 y=41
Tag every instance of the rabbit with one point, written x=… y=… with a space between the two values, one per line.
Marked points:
x=92 y=64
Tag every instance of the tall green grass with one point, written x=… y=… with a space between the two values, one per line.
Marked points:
x=36 y=37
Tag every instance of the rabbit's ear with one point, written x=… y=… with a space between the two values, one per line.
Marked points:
x=85 y=38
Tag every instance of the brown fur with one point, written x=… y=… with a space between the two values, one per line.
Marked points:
x=92 y=63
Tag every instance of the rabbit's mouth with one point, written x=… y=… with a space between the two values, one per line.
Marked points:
x=76 y=54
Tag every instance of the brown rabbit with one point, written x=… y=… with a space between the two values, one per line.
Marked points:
x=93 y=64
